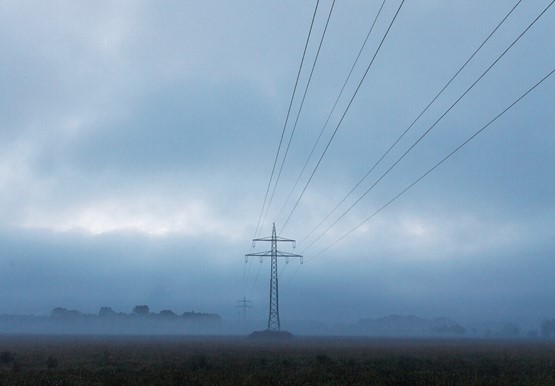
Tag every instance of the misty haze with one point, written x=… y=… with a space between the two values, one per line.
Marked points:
x=283 y=192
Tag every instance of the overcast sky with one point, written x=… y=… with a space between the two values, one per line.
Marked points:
x=137 y=140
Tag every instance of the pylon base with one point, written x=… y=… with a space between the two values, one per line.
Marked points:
x=271 y=335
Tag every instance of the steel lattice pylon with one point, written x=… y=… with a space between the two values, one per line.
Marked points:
x=273 y=253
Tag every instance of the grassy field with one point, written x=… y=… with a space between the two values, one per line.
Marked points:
x=107 y=360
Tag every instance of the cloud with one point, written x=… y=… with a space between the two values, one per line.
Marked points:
x=137 y=139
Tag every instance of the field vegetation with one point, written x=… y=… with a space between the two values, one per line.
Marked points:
x=115 y=360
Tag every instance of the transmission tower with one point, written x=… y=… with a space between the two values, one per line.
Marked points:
x=273 y=253
x=244 y=304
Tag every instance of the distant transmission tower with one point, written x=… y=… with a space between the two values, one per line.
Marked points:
x=244 y=304
x=273 y=253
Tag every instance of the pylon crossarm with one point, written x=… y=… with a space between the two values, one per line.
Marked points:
x=276 y=239
x=269 y=254
x=263 y=254
x=269 y=238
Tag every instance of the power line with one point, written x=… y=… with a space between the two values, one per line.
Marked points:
x=244 y=279
x=298 y=113
x=343 y=116
x=413 y=122
x=436 y=165
x=246 y=275
x=332 y=110
x=256 y=277
x=430 y=128
x=286 y=120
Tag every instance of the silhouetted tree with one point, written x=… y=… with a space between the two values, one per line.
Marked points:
x=60 y=312
x=167 y=314
x=201 y=317
x=141 y=310
x=106 y=311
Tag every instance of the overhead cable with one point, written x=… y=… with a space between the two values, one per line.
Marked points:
x=298 y=114
x=285 y=124
x=343 y=116
x=431 y=127
x=436 y=165
x=411 y=125
x=331 y=112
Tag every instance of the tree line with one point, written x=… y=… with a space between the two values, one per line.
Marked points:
x=139 y=311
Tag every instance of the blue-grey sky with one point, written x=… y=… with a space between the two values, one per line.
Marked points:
x=137 y=140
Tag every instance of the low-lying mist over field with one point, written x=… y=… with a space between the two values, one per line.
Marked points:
x=144 y=322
